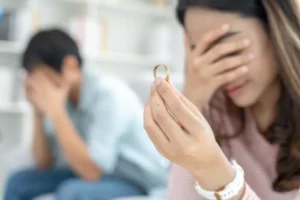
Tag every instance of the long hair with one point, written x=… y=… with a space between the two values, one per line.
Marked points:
x=280 y=18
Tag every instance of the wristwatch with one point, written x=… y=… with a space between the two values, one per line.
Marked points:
x=229 y=191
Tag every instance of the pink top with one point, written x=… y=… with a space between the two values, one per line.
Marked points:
x=250 y=149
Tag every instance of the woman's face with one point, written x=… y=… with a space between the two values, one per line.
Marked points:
x=262 y=74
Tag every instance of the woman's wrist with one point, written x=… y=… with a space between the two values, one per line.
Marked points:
x=217 y=174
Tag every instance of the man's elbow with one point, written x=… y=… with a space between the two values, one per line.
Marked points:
x=92 y=175
x=44 y=165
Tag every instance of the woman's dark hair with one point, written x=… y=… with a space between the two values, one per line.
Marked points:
x=49 y=47
x=280 y=18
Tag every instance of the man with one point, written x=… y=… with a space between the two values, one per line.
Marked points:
x=89 y=141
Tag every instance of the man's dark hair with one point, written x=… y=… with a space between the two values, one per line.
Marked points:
x=49 y=47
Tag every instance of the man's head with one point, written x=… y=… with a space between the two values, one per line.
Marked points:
x=54 y=53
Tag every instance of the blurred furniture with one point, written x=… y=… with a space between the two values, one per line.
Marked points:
x=6 y=21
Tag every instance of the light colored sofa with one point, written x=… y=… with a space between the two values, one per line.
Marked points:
x=22 y=158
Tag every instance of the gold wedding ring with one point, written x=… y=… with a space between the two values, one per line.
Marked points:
x=166 y=69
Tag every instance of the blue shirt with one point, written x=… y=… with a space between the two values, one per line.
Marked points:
x=109 y=118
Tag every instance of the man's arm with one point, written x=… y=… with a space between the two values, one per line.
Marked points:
x=73 y=147
x=40 y=147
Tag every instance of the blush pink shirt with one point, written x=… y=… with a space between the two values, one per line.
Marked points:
x=253 y=152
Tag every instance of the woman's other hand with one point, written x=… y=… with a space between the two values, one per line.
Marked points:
x=212 y=64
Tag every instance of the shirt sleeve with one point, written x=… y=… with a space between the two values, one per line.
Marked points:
x=108 y=123
x=182 y=186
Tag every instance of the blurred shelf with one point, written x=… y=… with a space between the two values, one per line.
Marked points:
x=16 y=48
x=132 y=7
x=128 y=6
x=11 y=47
x=14 y=107
x=12 y=4
x=128 y=59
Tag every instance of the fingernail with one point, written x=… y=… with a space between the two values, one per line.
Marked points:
x=244 y=69
x=246 y=42
x=157 y=81
x=225 y=27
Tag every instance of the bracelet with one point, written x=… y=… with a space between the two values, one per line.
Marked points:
x=229 y=191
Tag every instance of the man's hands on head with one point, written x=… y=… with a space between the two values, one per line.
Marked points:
x=46 y=93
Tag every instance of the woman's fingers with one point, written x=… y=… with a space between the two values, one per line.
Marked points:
x=186 y=102
x=224 y=49
x=182 y=113
x=165 y=120
x=209 y=38
x=156 y=135
x=230 y=63
x=230 y=76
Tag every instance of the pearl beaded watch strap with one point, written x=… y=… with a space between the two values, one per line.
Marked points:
x=229 y=191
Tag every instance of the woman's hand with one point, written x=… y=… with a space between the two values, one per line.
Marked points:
x=211 y=65
x=187 y=140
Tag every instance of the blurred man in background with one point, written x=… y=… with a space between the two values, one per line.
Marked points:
x=89 y=141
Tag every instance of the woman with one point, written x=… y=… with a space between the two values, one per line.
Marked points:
x=243 y=73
